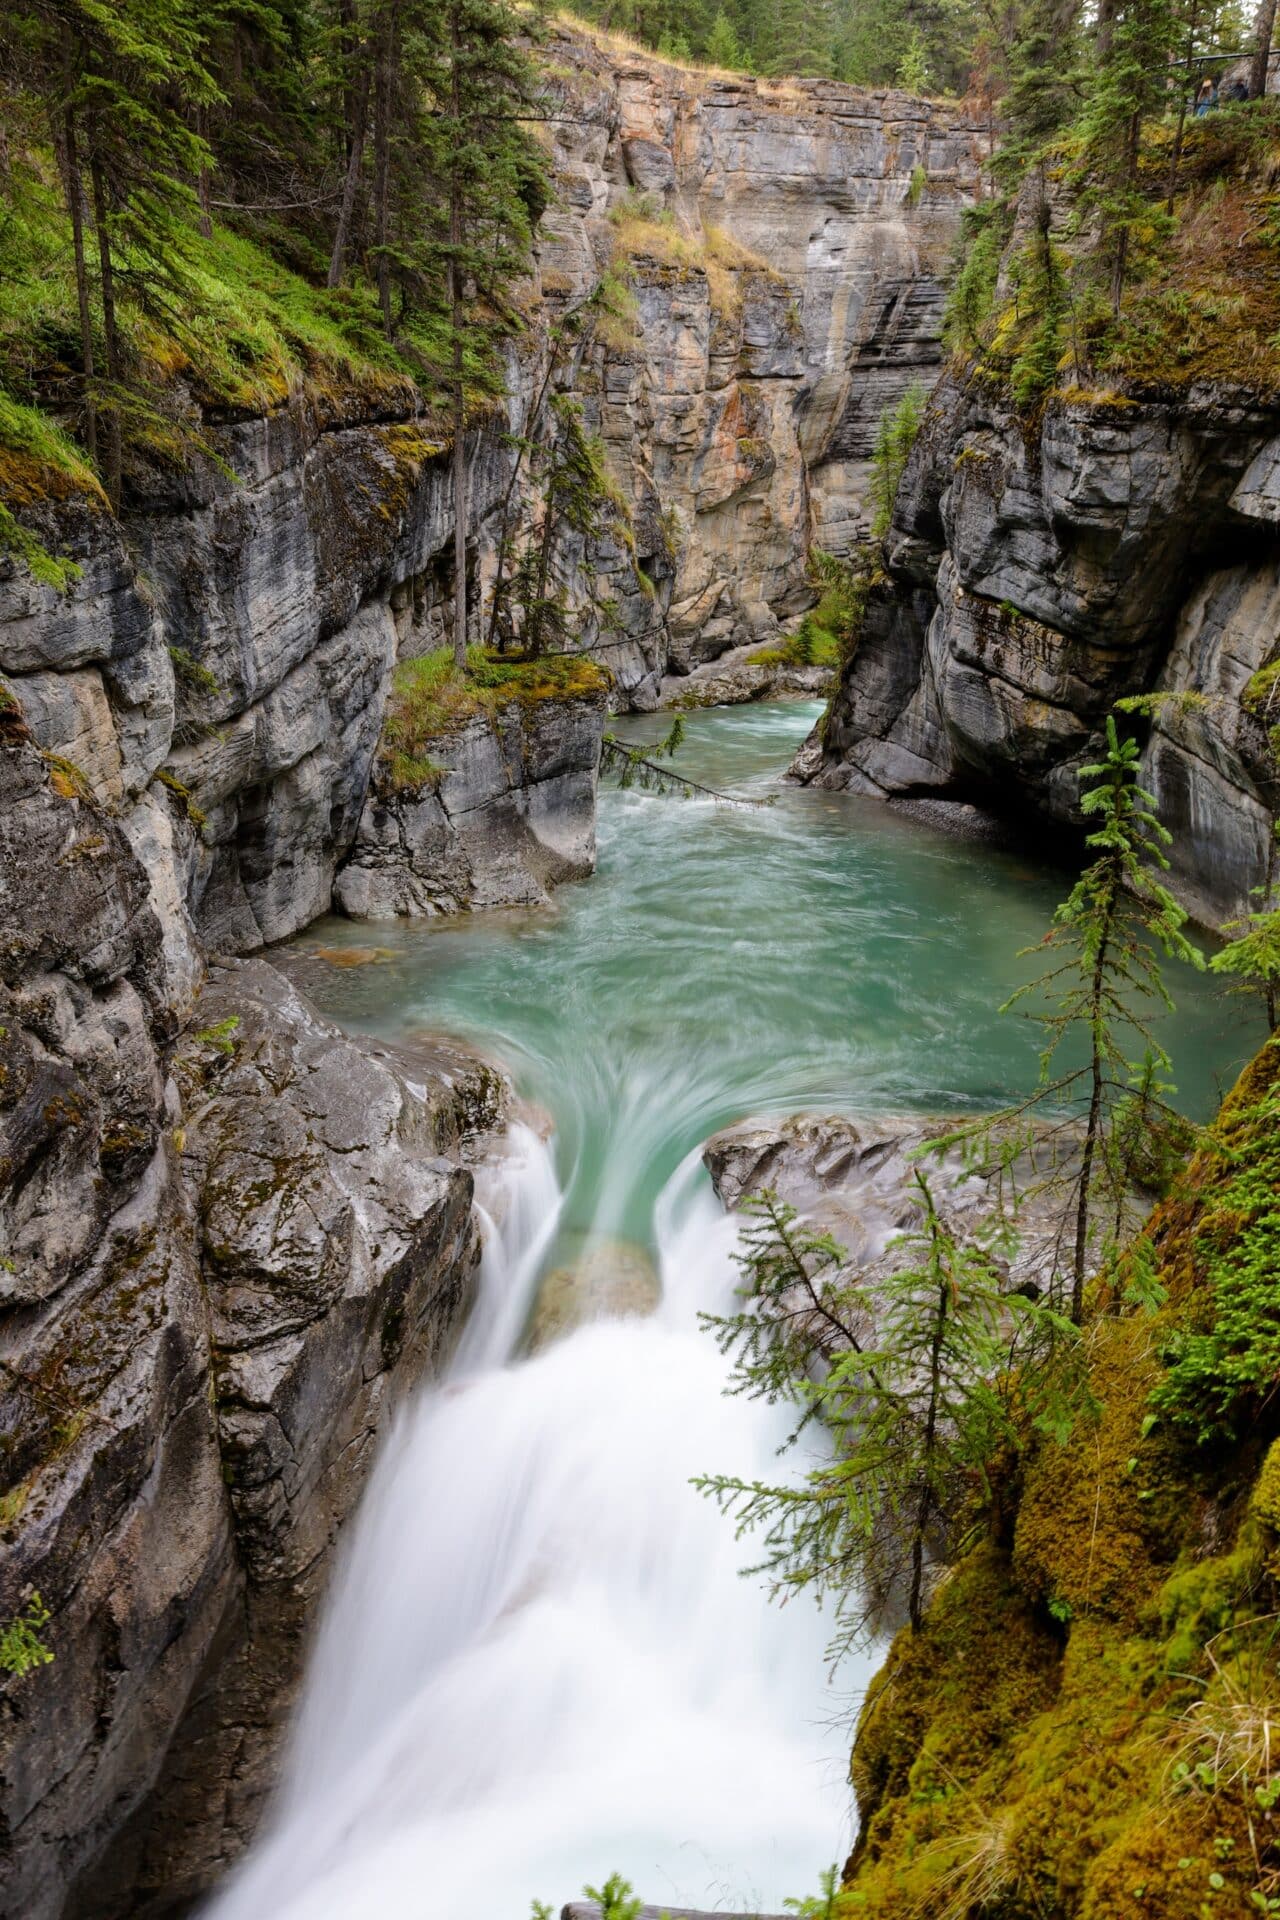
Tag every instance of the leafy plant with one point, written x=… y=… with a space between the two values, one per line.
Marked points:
x=21 y=1647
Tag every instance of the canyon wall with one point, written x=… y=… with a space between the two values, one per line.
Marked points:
x=229 y=1245
x=230 y=1238
x=1034 y=573
x=233 y=636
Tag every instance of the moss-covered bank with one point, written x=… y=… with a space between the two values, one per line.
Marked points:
x=1084 y=1725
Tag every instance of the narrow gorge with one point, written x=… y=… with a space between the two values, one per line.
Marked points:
x=391 y=1061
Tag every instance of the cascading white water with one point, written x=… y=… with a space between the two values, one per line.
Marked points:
x=540 y=1663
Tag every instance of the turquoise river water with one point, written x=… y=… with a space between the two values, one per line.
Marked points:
x=540 y=1662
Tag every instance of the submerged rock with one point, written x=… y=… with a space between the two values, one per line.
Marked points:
x=611 y=1280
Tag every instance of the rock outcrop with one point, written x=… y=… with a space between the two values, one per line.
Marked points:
x=858 y=1181
x=235 y=637
x=230 y=1243
x=1034 y=576
x=511 y=813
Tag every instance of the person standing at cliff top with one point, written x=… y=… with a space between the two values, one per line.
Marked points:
x=1206 y=98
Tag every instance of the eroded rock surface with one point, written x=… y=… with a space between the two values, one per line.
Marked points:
x=858 y=1181
x=230 y=1243
x=1036 y=577
x=511 y=814
x=236 y=637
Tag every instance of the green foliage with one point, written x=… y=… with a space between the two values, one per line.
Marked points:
x=1043 y=286
x=21 y=1647
x=652 y=772
x=913 y=68
x=1224 y=1365
x=615 y=1899
x=193 y=674
x=430 y=699
x=380 y=185
x=221 y=1037
x=1104 y=972
x=908 y=1370
x=971 y=297
x=819 y=1906
x=930 y=43
x=895 y=437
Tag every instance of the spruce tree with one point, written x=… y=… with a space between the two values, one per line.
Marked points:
x=1104 y=946
x=909 y=1372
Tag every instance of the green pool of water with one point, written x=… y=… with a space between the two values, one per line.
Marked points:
x=822 y=952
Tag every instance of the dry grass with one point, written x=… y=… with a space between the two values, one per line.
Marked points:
x=627 y=44
x=644 y=231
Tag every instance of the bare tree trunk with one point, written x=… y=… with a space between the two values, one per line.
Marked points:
x=1266 y=27
x=75 y=206
x=1175 y=158
x=111 y=338
x=1121 y=261
x=347 y=210
x=382 y=156
x=929 y=1441
x=459 y=452
x=504 y=523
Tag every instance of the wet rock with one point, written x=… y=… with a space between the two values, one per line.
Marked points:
x=611 y=1280
x=736 y=678
x=226 y=1252
x=857 y=1180
x=512 y=815
x=1034 y=580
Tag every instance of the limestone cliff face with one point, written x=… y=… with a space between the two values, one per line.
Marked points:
x=237 y=636
x=1035 y=576
x=796 y=293
x=228 y=1246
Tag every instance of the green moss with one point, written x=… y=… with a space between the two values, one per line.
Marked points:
x=430 y=700
x=1082 y=1728
x=1224 y=1349
x=196 y=815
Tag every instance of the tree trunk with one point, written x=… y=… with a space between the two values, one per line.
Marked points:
x=75 y=206
x=347 y=210
x=504 y=523
x=1266 y=27
x=111 y=338
x=459 y=452
x=382 y=157
x=928 y=1442
x=1094 y=1124
x=1121 y=260
x=1175 y=158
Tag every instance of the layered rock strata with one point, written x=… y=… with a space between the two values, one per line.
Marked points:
x=230 y=1241
x=510 y=814
x=781 y=244
x=1035 y=576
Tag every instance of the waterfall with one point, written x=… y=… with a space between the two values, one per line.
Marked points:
x=539 y=1662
